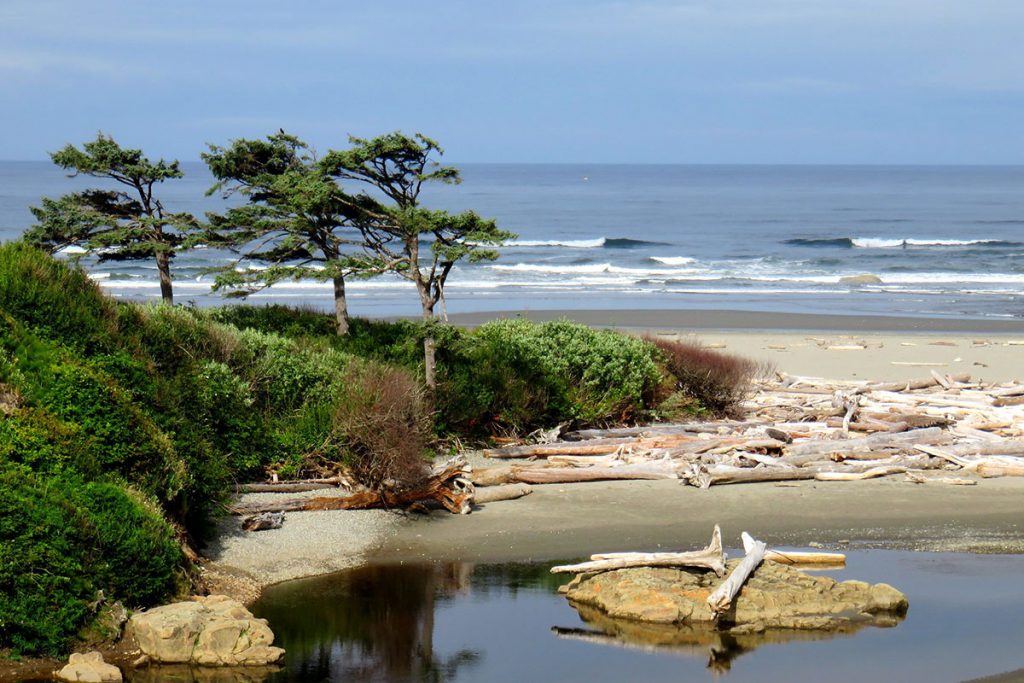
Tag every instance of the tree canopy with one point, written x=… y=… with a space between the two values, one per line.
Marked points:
x=124 y=222
x=297 y=222
x=399 y=235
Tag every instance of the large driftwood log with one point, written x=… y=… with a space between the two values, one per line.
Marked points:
x=872 y=473
x=447 y=485
x=659 y=469
x=721 y=599
x=809 y=451
x=712 y=557
x=924 y=383
x=284 y=487
x=803 y=558
x=594 y=447
x=492 y=494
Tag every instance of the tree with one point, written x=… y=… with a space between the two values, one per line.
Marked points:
x=297 y=220
x=399 y=235
x=121 y=224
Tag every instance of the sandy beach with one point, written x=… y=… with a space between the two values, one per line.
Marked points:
x=560 y=521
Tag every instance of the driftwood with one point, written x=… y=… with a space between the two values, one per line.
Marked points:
x=803 y=558
x=492 y=494
x=564 y=475
x=857 y=476
x=284 y=487
x=447 y=486
x=712 y=557
x=263 y=521
x=915 y=384
x=721 y=598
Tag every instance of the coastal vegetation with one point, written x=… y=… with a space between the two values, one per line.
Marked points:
x=124 y=222
x=125 y=427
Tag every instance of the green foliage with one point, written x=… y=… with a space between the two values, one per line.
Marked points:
x=225 y=407
x=123 y=223
x=61 y=541
x=297 y=222
x=516 y=374
x=56 y=302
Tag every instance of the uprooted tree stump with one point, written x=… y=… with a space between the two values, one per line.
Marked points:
x=448 y=485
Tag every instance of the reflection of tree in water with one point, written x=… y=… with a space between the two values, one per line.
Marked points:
x=374 y=623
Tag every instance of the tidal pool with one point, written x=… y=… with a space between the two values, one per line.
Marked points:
x=464 y=622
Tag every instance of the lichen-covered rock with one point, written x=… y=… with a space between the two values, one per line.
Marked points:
x=210 y=631
x=775 y=596
x=89 y=667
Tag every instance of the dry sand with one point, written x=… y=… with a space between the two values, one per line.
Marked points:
x=562 y=521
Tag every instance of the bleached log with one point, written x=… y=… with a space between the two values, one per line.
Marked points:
x=493 y=476
x=564 y=475
x=930 y=435
x=593 y=447
x=804 y=558
x=721 y=598
x=703 y=477
x=493 y=494
x=712 y=557
x=924 y=383
x=284 y=487
x=857 y=476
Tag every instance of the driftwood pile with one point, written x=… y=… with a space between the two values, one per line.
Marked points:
x=801 y=428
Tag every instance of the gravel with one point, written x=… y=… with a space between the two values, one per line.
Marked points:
x=308 y=544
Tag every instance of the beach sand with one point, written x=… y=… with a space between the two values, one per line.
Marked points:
x=563 y=521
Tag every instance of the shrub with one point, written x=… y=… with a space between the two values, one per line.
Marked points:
x=283 y=373
x=56 y=300
x=282 y=320
x=61 y=542
x=380 y=417
x=719 y=381
x=225 y=407
x=516 y=374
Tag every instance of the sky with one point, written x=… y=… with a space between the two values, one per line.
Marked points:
x=656 y=81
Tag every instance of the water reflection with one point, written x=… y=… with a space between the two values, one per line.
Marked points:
x=375 y=623
x=718 y=648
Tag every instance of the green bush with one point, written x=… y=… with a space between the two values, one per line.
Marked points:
x=520 y=375
x=224 y=406
x=61 y=542
x=58 y=302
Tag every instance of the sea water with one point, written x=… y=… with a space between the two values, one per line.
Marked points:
x=941 y=241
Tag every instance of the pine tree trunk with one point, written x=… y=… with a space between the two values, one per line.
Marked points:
x=429 y=343
x=163 y=266
x=340 y=305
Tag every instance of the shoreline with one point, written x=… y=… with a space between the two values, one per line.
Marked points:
x=558 y=521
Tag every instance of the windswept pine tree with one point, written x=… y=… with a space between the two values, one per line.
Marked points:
x=123 y=222
x=297 y=222
x=399 y=235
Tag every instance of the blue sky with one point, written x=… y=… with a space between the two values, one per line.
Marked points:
x=685 y=81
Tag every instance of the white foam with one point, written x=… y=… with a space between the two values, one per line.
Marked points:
x=674 y=260
x=72 y=249
x=577 y=244
x=883 y=243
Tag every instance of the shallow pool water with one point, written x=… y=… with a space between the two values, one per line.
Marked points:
x=460 y=622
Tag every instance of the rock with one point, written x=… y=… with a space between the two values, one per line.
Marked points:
x=866 y=279
x=89 y=667
x=774 y=597
x=210 y=631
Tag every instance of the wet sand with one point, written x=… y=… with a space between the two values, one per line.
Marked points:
x=559 y=521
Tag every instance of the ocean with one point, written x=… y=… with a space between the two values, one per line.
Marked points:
x=939 y=241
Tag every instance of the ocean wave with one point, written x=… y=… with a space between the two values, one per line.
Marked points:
x=897 y=243
x=589 y=269
x=597 y=243
x=674 y=260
